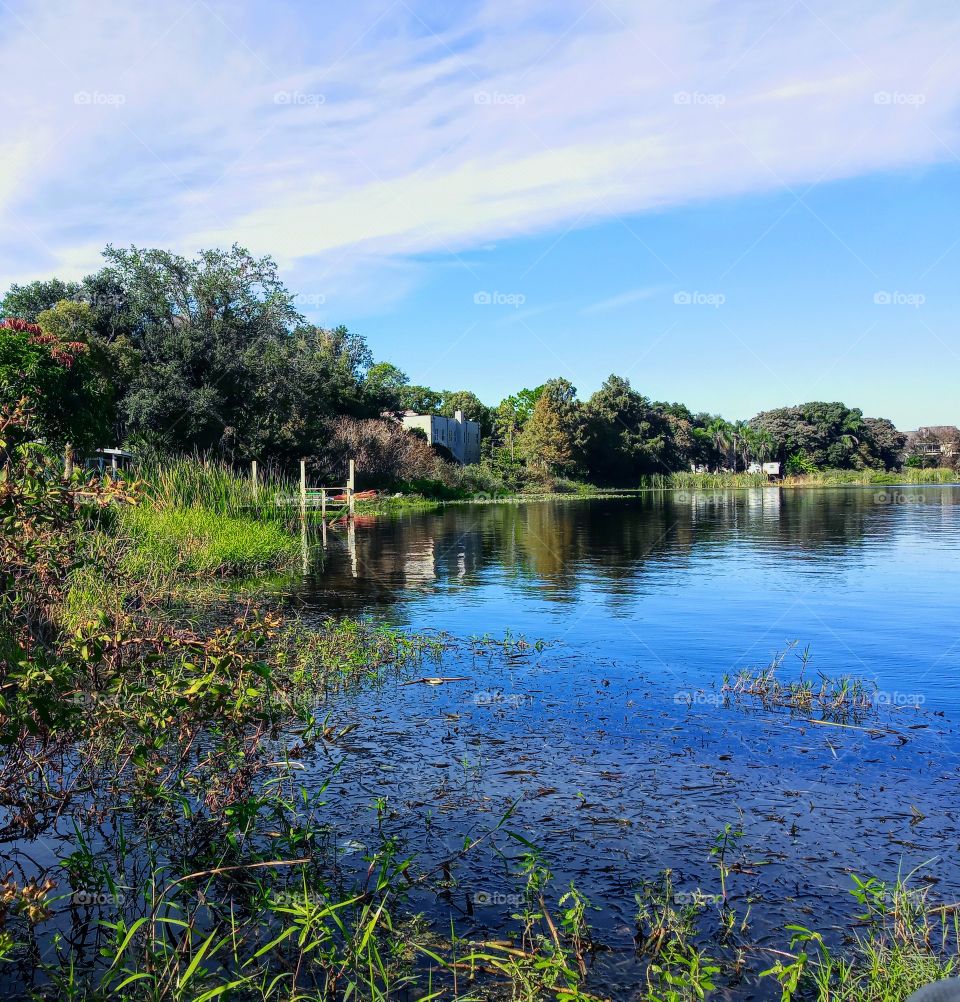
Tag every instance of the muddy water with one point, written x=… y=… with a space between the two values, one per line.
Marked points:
x=614 y=747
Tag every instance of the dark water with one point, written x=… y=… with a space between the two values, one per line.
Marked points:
x=614 y=744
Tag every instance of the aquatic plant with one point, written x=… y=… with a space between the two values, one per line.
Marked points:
x=843 y=693
x=201 y=541
x=907 y=943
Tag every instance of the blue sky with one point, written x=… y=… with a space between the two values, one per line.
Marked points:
x=736 y=204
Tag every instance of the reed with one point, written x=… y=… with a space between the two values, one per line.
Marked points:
x=201 y=541
x=194 y=482
x=822 y=478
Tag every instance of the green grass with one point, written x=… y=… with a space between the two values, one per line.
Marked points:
x=903 y=943
x=822 y=478
x=215 y=486
x=202 y=542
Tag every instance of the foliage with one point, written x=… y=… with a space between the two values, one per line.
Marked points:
x=554 y=435
x=209 y=355
x=830 y=435
x=384 y=453
x=906 y=945
x=473 y=409
x=54 y=370
x=630 y=437
x=27 y=302
x=201 y=541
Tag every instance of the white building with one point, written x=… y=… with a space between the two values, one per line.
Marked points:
x=460 y=436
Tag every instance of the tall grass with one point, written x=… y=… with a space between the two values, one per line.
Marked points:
x=191 y=482
x=202 y=541
x=903 y=943
x=822 y=478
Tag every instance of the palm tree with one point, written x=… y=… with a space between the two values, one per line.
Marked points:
x=739 y=431
x=721 y=435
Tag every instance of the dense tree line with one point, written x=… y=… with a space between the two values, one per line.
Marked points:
x=210 y=354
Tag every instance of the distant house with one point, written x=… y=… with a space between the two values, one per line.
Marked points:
x=936 y=444
x=772 y=470
x=458 y=435
x=108 y=459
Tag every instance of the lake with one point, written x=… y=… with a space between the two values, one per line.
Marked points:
x=614 y=747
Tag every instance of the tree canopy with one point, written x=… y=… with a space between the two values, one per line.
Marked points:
x=210 y=354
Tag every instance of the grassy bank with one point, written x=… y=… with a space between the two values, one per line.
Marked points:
x=198 y=541
x=825 y=478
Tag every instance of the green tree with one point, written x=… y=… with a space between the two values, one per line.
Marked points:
x=629 y=436
x=421 y=399
x=384 y=386
x=472 y=407
x=203 y=327
x=64 y=383
x=27 y=302
x=554 y=435
x=304 y=379
x=827 y=435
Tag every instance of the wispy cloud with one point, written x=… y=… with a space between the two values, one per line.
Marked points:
x=624 y=299
x=398 y=128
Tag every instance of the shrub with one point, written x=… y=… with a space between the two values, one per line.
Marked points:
x=386 y=454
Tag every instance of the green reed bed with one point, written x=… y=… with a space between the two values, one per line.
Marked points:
x=823 y=478
x=200 y=541
x=191 y=482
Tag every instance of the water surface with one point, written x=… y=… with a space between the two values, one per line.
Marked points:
x=614 y=746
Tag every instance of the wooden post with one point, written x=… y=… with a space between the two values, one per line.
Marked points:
x=303 y=489
x=68 y=462
x=254 y=481
x=350 y=486
x=323 y=505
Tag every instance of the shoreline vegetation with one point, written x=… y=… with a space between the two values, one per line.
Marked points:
x=155 y=725
x=216 y=877
x=247 y=378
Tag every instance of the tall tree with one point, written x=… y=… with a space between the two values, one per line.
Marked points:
x=27 y=302
x=384 y=386
x=819 y=434
x=473 y=408
x=65 y=385
x=203 y=327
x=554 y=435
x=629 y=436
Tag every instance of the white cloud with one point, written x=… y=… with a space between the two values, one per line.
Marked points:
x=393 y=139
